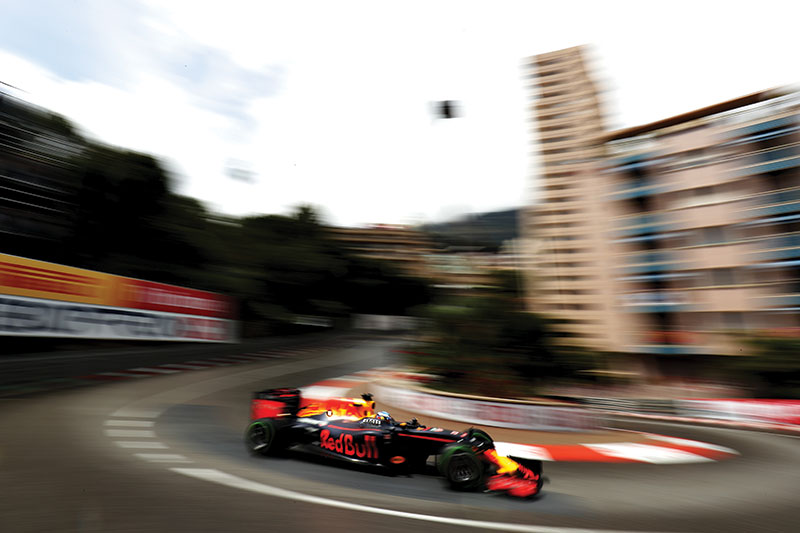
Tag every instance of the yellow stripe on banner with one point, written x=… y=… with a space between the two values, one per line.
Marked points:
x=30 y=278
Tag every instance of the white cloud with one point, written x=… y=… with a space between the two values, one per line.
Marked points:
x=327 y=102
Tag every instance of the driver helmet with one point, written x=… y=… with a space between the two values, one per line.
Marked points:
x=384 y=415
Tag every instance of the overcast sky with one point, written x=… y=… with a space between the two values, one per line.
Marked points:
x=328 y=102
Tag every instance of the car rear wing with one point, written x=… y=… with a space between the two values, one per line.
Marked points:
x=274 y=403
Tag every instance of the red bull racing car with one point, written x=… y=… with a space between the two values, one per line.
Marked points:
x=350 y=429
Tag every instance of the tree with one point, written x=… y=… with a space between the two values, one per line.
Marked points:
x=121 y=199
x=772 y=369
x=119 y=214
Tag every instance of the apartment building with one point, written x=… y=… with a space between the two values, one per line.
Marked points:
x=705 y=210
x=402 y=246
x=667 y=239
x=563 y=237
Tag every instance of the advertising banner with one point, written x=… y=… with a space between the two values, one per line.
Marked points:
x=139 y=294
x=34 y=297
x=744 y=410
x=38 y=279
x=34 y=317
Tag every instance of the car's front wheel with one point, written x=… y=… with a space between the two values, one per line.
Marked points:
x=462 y=468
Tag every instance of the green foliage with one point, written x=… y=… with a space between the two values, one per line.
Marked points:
x=120 y=211
x=773 y=367
x=486 y=344
x=125 y=219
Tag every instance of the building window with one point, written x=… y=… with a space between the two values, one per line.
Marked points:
x=712 y=235
x=723 y=276
x=732 y=320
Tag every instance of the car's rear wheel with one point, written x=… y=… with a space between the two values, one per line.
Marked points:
x=260 y=437
x=462 y=468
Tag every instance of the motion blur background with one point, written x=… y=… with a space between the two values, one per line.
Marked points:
x=615 y=219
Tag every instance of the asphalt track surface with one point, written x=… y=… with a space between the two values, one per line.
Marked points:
x=69 y=461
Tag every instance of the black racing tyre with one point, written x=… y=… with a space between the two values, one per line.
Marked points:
x=479 y=438
x=462 y=468
x=261 y=437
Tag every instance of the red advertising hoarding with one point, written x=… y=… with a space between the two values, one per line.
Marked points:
x=138 y=294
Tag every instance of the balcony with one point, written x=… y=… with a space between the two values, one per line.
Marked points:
x=657 y=277
x=625 y=162
x=641 y=224
x=778 y=248
x=557 y=76
x=637 y=189
x=646 y=238
x=576 y=153
x=779 y=302
x=578 y=129
x=779 y=209
x=769 y=161
x=775 y=203
x=753 y=129
x=655 y=302
x=649 y=262
x=646 y=268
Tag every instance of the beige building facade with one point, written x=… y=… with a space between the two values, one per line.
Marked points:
x=706 y=226
x=404 y=247
x=566 y=266
x=666 y=239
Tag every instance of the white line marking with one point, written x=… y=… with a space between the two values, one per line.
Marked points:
x=131 y=423
x=216 y=476
x=133 y=412
x=155 y=370
x=692 y=443
x=163 y=457
x=144 y=445
x=183 y=367
x=647 y=453
x=130 y=433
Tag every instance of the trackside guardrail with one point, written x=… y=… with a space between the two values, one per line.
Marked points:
x=513 y=414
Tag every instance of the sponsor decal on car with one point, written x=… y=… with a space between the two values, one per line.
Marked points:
x=347 y=445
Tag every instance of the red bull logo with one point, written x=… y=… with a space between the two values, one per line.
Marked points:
x=347 y=445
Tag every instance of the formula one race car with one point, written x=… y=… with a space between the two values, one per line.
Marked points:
x=350 y=429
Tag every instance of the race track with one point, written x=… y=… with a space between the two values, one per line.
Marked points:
x=166 y=454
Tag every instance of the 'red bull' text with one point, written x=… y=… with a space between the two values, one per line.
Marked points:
x=345 y=444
